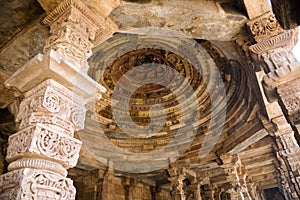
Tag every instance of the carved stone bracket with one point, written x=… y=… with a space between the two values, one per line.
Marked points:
x=273 y=53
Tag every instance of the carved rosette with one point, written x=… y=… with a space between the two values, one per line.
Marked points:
x=44 y=141
x=35 y=184
x=73 y=26
x=264 y=27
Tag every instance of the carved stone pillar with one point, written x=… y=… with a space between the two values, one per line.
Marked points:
x=107 y=190
x=208 y=192
x=55 y=91
x=288 y=157
x=280 y=88
x=195 y=188
x=231 y=163
x=44 y=148
x=177 y=185
x=252 y=188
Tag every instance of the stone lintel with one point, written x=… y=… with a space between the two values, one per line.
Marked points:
x=246 y=143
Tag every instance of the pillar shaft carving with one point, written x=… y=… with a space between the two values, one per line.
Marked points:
x=288 y=156
x=40 y=153
x=72 y=27
x=44 y=148
x=177 y=185
x=232 y=168
x=196 y=191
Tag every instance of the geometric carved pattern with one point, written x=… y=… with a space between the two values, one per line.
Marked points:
x=35 y=184
x=44 y=141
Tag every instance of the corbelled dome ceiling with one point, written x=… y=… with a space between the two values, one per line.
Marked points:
x=172 y=101
x=185 y=125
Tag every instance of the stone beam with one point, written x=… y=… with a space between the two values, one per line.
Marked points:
x=250 y=140
x=195 y=19
x=256 y=8
x=100 y=7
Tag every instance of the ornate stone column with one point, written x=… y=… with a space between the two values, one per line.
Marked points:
x=278 y=81
x=55 y=90
x=195 y=187
x=176 y=179
x=177 y=185
x=231 y=163
x=208 y=192
x=252 y=188
x=107 y=190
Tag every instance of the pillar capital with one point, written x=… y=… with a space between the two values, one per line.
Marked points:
x=73 y=28
x=264 y=26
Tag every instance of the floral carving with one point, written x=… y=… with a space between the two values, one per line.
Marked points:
x=56 y=121
x=285 y=39
x=72 y=27
x=35 y=184
x=54 y=103
x=264 y=27
x=45 y=141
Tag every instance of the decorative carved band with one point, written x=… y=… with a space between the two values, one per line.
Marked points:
x=53 y=98
x=46 y=142
x=35 y=163
x=286 y=39
x=35 y=184
x=264 y=27
x=61 y=8
x=53 y=120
